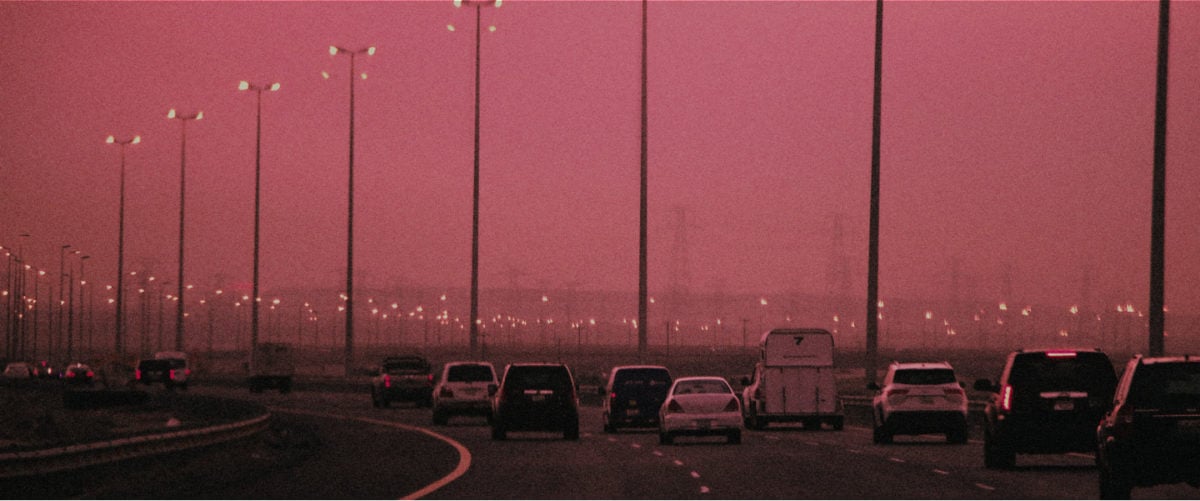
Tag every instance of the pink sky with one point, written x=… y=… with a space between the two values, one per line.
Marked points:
x=1015 y=134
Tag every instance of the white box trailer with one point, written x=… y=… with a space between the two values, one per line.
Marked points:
x=793 y=381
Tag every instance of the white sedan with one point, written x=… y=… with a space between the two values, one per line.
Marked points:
x=699 y=406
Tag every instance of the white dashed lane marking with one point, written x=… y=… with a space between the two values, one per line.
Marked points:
x=704 y=489
x=813 y=443
x=941 y=472
x=896 y=460
x=610 y=439
x=695 y=474
x=636 y=445
x=985 y=487
x=678 y=463
x=854 y=451
x=658 y=453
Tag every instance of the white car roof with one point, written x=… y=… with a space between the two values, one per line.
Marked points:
x=921 y=365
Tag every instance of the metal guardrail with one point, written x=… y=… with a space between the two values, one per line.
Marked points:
x=39 y=462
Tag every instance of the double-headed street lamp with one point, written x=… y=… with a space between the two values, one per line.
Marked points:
x=349 y=354
x=183 y=120
x=119 y=337
x=258 y=90
x=474 y=333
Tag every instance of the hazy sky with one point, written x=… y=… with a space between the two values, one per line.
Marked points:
x=1015 y=135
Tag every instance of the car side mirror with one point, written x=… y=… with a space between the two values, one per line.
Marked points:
x=745 y=381
x=492 y=389
x=873 y=386
x=984 y=385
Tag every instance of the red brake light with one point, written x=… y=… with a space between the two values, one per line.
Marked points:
x=187 y=372
x=137 y=374
x=70 y=374
x=1060 y=354
x=430 y=381
x=91 y=374
x=1006 y=398
x=387 y=381
x=613 y=395
x=172 y=374
x=733 y=406
x=674 y=407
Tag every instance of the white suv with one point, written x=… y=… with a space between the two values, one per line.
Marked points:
x=918 y=398
x=463 y=389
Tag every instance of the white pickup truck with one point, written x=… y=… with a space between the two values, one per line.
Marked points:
x=793 y=381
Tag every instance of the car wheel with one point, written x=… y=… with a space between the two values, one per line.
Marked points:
x=1112 y=487
x=838 y=423
x=571 y=432
x=735 y=437
x=995 y=456
x=879 y=432
x=498 y=432
x=609 y=426
x=665 y=438
x=957 y=435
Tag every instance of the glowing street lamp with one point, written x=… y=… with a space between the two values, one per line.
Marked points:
x=119 y=336
x=183 y=120
x=258 y=91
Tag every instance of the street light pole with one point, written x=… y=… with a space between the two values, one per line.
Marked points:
x=873 y=244
x=183 y=120
x=258 y=90
x=349 y=353
x=119 y=336
x=1159 y=203
x=643 y=338
x=57 y=334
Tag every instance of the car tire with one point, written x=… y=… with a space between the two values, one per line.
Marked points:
x=609 y=426
x=571 y=432
x=735 y=437
x=838 y=423
x=957 y=435
x=996 y=456
x=879 y=432
x=665 y=438
x=1112 y=487
x=498 y=432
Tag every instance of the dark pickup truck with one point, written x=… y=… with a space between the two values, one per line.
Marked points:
x=406 y=378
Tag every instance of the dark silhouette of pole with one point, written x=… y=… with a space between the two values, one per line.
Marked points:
x=258 y=90
x=1159 y=205
x=57 y=334
x=643 y=338
x=183 y=120
x=873 y=251
x=349 y=352
x=119 y=333
x=474 y=331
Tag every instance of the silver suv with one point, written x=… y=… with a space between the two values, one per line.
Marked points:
x=919 y=398
x=463 y=389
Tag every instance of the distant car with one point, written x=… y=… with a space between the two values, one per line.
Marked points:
x=171 y=373
x=463 y=390
x=1046 y=402
x=79 y=374
x=44 y=370
x=698 y=406
x=536 y=397
x=1151 y=436
x=919 y=398
x=633 y=396
x=181 y=372
x=18 y=370
x=403 y=378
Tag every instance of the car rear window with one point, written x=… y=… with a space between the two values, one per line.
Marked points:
x=924 y=376
x=705 y=386
x=469 y=374
x=154 y=365
x=1166 y=385
x=642 y=378
x=405 y=366
x=1091 y=372
x=548 y=378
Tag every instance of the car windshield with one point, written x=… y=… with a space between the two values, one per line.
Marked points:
x=469 y=374
x=1085 y=371
x=550 y=377
x=1169 y=385
x=924 y=376
x=639 y=378
x=702 y=386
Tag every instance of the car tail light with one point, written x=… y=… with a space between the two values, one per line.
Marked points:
x=387 y=381
x=430 y=380
x=895 y=394
x=446 y=393
x=733 y=405
x=187 y=372
x=1006 y=398
x=955 y=392
x=172 y=374
x=137 y=374
x=91 y=374
x=70 y=374
x=674 y=406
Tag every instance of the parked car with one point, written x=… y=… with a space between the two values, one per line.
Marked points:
x=793 y=381
x=919 y=398
x=1046 y=402
x=463 y=390
x=79 y=374
x=698 y=406
x=404 y=378
x=18 y=370
x=536 y=397
x=1151 y=436
x=633 y=395
x=181 y=371
x=169 y=372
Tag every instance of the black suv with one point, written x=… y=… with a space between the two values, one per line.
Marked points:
x=535 y=397
x=1152 y=434
x=404 y=378
x=633 y=395
x=168 y=371
x=1046 y=402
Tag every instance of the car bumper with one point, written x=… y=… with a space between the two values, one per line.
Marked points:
x=701 y=424
x=925 y=421
x=481 y=407
x=395 y=393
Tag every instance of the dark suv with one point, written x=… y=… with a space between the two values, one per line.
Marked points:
x=170 y=372
x=633 y=395
x=536 y=397
x=1152 y=434
x=407 y=378
x=1046 y=402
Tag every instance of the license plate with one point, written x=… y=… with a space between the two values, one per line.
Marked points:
x=631 y=412
x=703 y=424
x=1064 y=405
x=927 y=400
x=537 y=398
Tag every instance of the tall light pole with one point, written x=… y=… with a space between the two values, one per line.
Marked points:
x=643 y=338
x=349 y=353
x=183 y=120
x=1159 y=204
x=119 y=336
x=57 y=334
x=873 y=244
x=474 y=331
x=258 y=90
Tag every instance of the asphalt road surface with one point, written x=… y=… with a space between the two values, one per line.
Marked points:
x=327 y=445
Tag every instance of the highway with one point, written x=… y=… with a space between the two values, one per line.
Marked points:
x=330 y=445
